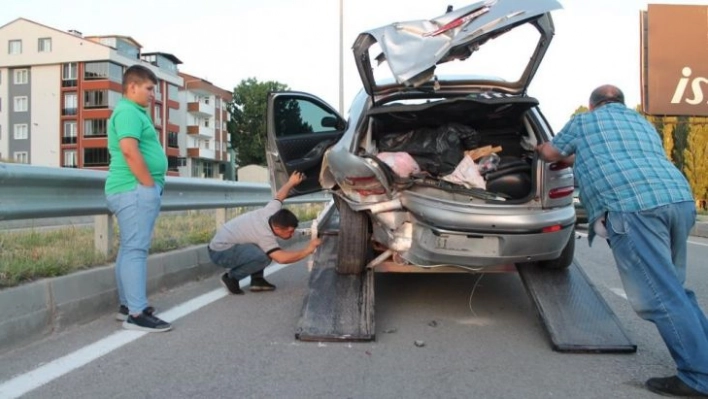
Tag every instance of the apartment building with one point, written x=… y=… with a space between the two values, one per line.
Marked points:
x=205 y=123
x=58 y=89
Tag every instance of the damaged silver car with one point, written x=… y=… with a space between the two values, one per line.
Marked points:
x=436 y=163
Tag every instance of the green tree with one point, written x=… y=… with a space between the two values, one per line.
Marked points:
x=248 y=114
x=581 y=109
x=680 y=139
x=695 y=157
x=667 y=136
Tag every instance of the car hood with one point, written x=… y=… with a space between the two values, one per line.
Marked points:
x=413 y=49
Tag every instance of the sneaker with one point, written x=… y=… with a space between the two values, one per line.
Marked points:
x=231 y=285
x=673 y=386
x=259 y=284
x=122 y=314
x=146 y=322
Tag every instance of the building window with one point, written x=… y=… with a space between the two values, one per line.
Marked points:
x=21 y=156
x=208 y=169
x=96 y=99
x=96 y=157
x=174 y=163
x=172 y=140
x=158 y=91
x=14 y=47
x=21 y=76
x=158 y=115
x=69 y=133
x=172 y=92
x=44 y=44
x=173 y=116
x=21 y=131
x=70 y=159
x=20 y=104
x=70 y=104
x=69 y=73
x=95 y=128
x=103 y=70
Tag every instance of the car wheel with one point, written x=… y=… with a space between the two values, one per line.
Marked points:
x=354 y=239
x=566 y=257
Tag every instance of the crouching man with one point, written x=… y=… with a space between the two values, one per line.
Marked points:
x=248 y=243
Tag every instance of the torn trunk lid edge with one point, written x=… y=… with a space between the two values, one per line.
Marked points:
x=413 y=49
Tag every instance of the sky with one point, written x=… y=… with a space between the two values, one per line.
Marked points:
x=296 y=42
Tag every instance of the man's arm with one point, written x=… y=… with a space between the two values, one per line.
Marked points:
x=285 y=257
x=549 y=153
x=136 y=162
x=295 y=179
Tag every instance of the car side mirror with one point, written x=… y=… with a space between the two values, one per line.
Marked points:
x=331 y=121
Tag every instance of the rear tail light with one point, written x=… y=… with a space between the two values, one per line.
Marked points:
x=560 y=192
x=552 y=229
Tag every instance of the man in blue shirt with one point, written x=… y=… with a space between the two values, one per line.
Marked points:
x=644 y=206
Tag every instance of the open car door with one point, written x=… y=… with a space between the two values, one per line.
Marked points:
x=300 y=127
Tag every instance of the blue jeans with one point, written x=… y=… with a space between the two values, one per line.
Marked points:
x=136 y=211
x=650 y=250
x=242 y=260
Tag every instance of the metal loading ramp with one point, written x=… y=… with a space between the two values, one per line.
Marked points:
x=337 y=307
x=574 y=313
x=341 y=307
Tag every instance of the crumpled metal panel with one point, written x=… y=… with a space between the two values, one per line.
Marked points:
x=413 y=47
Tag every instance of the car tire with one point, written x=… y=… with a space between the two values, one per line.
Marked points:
x=566 y=257
x=354 y=239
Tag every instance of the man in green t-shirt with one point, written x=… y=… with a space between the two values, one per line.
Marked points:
x=136 y=175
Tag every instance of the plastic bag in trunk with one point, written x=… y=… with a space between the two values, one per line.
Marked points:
x=437 y=151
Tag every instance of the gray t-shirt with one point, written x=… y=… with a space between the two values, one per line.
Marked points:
x=249 y=228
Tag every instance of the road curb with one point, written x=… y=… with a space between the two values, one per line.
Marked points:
x=38 y=309
x=700 y=230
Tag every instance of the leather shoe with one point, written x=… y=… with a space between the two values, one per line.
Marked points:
x=673 y=386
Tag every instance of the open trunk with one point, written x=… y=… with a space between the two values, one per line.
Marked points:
x=427 y=143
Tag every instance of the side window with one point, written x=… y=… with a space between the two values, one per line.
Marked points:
x=294 y=116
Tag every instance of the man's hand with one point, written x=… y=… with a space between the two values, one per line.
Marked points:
x=285 y=257
x=313 y=244
x=295 y=179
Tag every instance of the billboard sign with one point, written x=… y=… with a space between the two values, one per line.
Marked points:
x=674 y=57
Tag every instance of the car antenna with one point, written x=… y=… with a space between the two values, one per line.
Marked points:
x=449 y=9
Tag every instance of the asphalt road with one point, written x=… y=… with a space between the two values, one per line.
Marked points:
x=486 y=343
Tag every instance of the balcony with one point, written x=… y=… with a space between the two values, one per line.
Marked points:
x=201 y=132
x=201 y=109
x=201 y=153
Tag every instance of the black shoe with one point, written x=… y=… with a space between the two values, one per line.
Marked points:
x=231 y=285
x=122 y=314
x=146 y=322
x=260 y=284
x=673 y=386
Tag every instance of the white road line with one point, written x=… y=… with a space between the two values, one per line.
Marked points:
x=702 y=244
x=34 y=379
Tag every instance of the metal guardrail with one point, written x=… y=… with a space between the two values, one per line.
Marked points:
x=34 y=192
x=40 y=192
